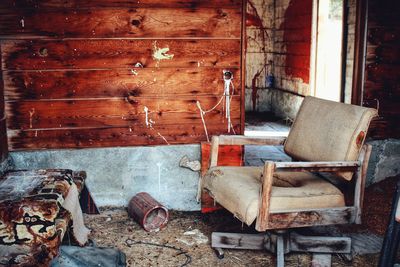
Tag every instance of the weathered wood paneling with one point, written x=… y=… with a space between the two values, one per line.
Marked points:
x=81 y=73
x=111 y=23
x=114 y=112
x=143 y=82
x=112 y=136
x=3 y=128
x=122 y=53
x=3 y=140
x=60 y=4
x=382 y=72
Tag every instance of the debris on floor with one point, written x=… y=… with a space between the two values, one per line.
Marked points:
x=148 y=212
x=165 y=248
x=153 y=248
x=193 y=237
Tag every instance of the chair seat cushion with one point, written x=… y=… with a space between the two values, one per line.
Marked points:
x=238 y=190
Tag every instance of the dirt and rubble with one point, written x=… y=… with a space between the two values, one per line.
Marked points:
x=186 y=238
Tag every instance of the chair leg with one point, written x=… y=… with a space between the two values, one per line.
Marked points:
x=280 y=251
x=273 y=242
x=280 y=243
x=220 y=253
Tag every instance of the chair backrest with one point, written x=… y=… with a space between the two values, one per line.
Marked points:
x=328 y=131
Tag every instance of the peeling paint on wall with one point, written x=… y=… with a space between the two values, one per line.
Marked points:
x=254 y=19
x=161 y=53
x=278 y=46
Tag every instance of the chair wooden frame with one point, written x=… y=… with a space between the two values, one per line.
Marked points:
x=267 y=220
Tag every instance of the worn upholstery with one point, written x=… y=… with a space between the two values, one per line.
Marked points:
x=32 y=218
x=328 y=131
x=238 y=190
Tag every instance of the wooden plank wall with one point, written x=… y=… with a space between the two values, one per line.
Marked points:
x=382 y=70
x=3 y=129
x=81 y=73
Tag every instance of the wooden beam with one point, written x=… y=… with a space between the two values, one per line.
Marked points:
x=319 y=244
x=240 y=241
x=359 y=52
x=243 y=66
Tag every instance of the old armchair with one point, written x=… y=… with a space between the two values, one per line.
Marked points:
x=326 y=137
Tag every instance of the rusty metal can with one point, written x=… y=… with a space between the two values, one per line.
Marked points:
x=148 y=212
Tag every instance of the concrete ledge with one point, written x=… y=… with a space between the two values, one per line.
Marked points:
x=116 y=174
x=384 y=161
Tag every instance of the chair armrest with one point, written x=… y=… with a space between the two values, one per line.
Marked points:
x=318 y=166
x=267 y=181
x=235 y=140
x=250 y=140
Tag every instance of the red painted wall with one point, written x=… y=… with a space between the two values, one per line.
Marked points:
x=297 y=38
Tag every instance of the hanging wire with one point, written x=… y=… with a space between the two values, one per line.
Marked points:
x=227 y=98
